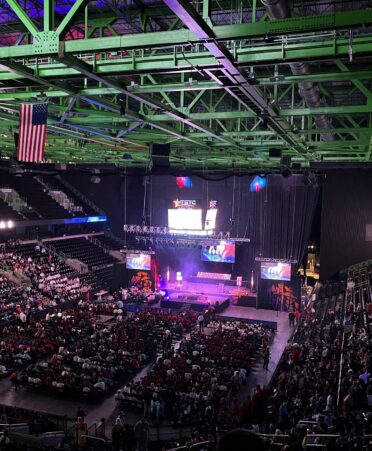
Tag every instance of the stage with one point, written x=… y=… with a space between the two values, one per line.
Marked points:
x=187 y=300
x=199 y=295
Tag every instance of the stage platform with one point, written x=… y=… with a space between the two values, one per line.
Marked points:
x=186 y=300
x=198 y=294
x=270 y=318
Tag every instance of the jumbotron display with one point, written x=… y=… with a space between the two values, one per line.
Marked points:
x=276 y=271
x=185 y=219
x=224 y=252
x=139 y=261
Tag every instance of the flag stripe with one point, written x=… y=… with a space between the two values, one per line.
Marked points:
x=32 y=132
x=26 y=130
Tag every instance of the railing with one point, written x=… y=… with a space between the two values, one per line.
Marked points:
x=9 y=201
x=21 y=428
x=92 y=430
x=115 y=238
x=357 y=287
x=43 y=182
x=311 y=441
x=99 y=244
x=194 y=446
x=54 y=251
x=68 y=206
x=318 y=441
x=81 y=195
x=61 y=423
x=94 y=443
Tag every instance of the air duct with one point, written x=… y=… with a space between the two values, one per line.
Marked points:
x=309 y=91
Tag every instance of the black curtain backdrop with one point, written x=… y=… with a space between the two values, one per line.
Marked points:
x=277 y=220
x=346 y=210
x=119 y=196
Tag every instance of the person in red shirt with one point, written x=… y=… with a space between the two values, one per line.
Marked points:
x=297 y=316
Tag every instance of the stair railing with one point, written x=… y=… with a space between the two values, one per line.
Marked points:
x=81 y=195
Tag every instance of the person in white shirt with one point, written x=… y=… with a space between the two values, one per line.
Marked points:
x=23 y=317
x=200 y=321
x=100 y=386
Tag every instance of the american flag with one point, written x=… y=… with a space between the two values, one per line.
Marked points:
x=32 y=132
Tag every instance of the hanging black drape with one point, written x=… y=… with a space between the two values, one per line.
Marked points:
x=277 y=219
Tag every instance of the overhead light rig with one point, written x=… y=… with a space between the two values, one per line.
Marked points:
x=165 y=236
x=136 y=251
x=183 y=242
x=275 y=260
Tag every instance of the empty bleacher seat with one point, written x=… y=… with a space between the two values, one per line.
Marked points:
x=85 y=251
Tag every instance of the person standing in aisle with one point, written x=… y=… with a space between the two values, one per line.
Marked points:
x=266 y=359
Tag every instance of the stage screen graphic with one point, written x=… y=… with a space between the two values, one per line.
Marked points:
x=275 y=271
x=184 y=219
x=139 y=261
x=224 y=252
x=210 y=219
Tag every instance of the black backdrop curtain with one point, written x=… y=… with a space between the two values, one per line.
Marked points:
x=277 y=219
x=286 y=211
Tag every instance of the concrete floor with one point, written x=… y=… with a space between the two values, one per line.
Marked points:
x=42 y=402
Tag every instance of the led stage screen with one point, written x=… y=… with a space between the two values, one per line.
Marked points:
x=139 y=261
x=224 y=252
x=185 y=219
x=210 y=219
x=276 y=271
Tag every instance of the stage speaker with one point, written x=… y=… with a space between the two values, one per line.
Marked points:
x=286 y=160
x=118 y=276
x=275 y=153
x=286 y=172
x=159 y=157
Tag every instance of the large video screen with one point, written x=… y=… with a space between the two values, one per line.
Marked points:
x=224 y=252
x=185 y=219
x=139 y=261
x=210 y=219
x=276 y=271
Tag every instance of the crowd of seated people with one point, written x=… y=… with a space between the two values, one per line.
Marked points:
x=302 y=407
x=140 y=296
x=33 y=282
x=309 y=397
x=17 y=301
x=26 y=344
x=71 y=353
x=46 y=271
x=195 y=382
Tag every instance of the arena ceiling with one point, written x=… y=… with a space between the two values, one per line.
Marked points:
x=222 y=81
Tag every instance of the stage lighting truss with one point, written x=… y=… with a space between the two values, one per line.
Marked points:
x=143 y=229
x=193 y=235
x=275 y=260
x=163 y=237
x=159 y=241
